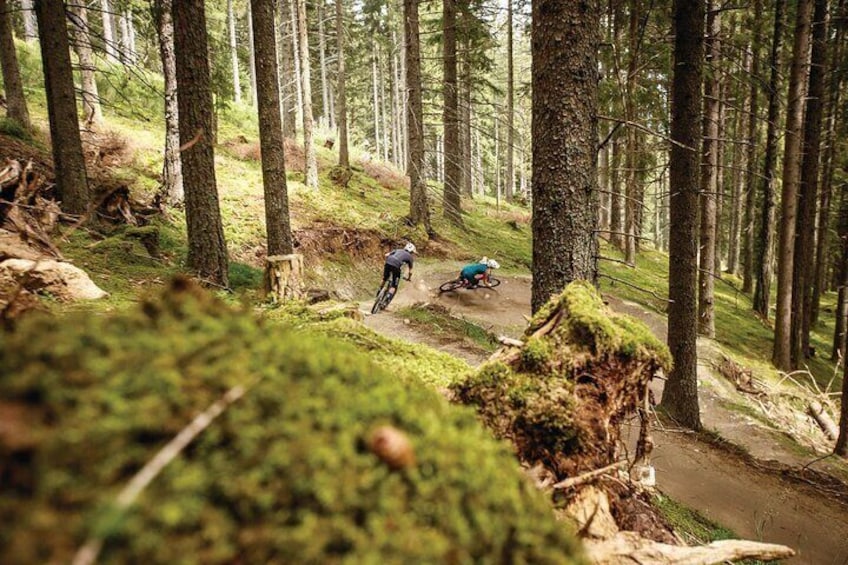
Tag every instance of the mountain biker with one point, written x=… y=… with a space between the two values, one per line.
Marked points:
x=477 y=273
x=394 y=261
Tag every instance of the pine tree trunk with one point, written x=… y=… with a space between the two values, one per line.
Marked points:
x=566 y=36
x=207 y=250
x=375 y=102
x=387 y=137
x=326 y=112
x=131 y=32
x=419 y=213
x=123 y=29
x=341 y=106
x=305 y=77
x=841 y=329
x=781 y=356
x=753 y=69
x=721 y=190
x=397 y=144
x=736 y=181
x=172 y=172
x=231 y=27
x=451 y=195
x=109 y=40
x=841 y=447
x=631 y=136
x=295 y=41
x=616 y=225
x=251 y=57
x=465 y=126
x=804 y=267
x=709 y=178
x=16 y=106
x=287 y=79
x=277 y=223
x=510 y=107
x=833 y=98
x=81 y=34
x=765 y=243
x=30 y=25
x=69 y=163
x=680 y=397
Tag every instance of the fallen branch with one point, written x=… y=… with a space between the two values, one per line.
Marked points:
x=87 y=554
x=628 y=547
x=510 y=341
x=572 y=482
x=823 y=419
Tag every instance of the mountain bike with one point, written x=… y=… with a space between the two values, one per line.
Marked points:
x=459 y=283
x=384 y=297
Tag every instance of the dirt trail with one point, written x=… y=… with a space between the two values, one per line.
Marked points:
x=754 y=503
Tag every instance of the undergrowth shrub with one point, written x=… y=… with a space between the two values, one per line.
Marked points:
x=284 y=475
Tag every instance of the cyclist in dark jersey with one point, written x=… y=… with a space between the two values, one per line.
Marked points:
x=394 y=261
x=477 y=273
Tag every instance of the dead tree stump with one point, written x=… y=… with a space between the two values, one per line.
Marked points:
x=284 y=276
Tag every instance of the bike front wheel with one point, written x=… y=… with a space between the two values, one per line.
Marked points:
x=450 y=285
x=493 y=282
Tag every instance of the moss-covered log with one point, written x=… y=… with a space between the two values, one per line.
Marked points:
x=562 y=396
x=301 y=469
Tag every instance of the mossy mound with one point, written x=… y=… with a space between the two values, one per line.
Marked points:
x=562 y=396
x=287 y=474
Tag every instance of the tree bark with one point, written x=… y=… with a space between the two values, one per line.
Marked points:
x=839 y=332
x=733 y=242
x=341 y=96
x=109 y=41
x=709 y=177
x=375 y=98
x=833 y=98
x=509 y=193
x=565 y=41
x=751 y=154
x=277 y=223
x=451 y=195
x=765 y=254
x=295 y=41
x=305 y=77
x=81 y=34
x=326 y=111
x=288 y=80
x=16 y=106
x=631 y=200
x=466 y=161
x=172 y=171
x=30 y=25
x=680 y=397
x=123 y=29
x=419 y=212
x=616 y=225
x=781 y=356
x=68 y=159
x=841 y=448
x=231 y=28
x=251 y=56
x=207 y=250
x=804 y=267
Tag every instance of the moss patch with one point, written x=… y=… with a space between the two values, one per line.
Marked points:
x=285 y=474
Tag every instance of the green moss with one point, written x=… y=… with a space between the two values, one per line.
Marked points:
x=440 y=322
x=693 y=526
x=589 y=325
x=285 y=474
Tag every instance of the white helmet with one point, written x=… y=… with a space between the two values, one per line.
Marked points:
x=410 y=248
x=491 y=263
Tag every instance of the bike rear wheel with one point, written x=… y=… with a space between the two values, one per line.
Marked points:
x=378 y=303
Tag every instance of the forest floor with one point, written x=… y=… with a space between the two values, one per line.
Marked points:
x=750 y=488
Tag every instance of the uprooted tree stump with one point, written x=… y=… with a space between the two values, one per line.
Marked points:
x=562 y=396
x=284 y=276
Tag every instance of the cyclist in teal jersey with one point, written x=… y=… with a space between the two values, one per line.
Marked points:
x=477 y=273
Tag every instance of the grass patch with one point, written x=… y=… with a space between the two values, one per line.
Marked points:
x=693 y=526
x=438 y=321
x=407 y=361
